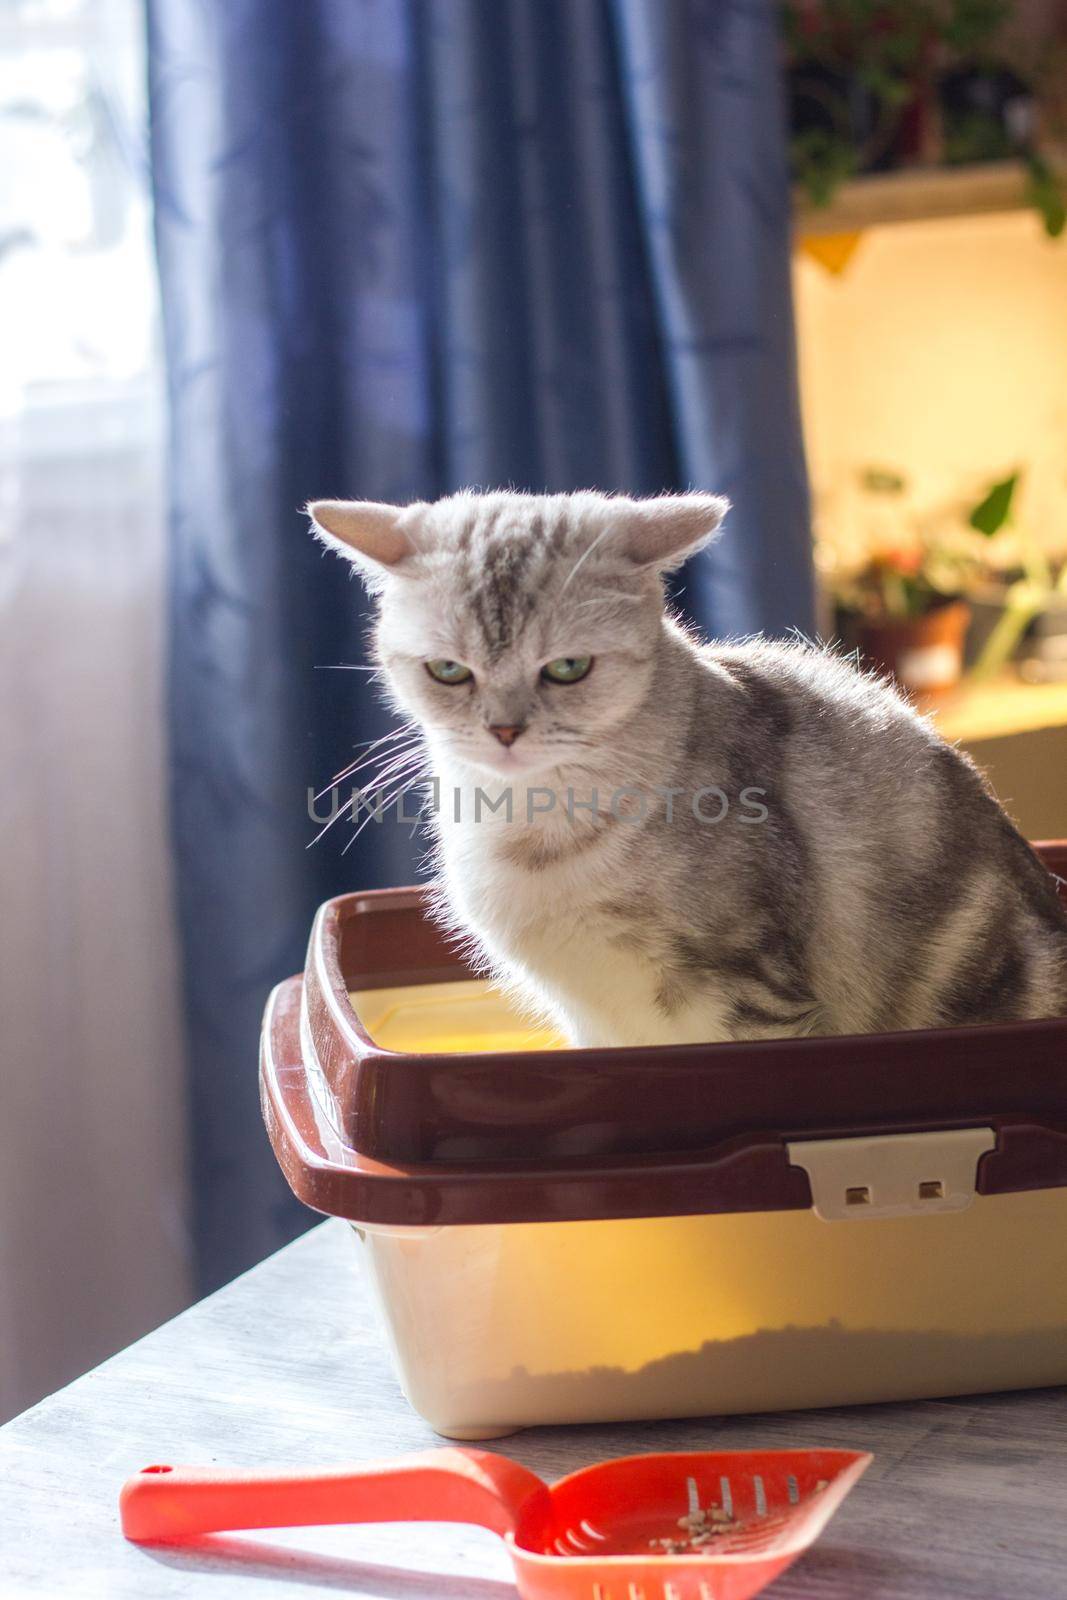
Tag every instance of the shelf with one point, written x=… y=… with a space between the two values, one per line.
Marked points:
x=1000 y=709
x=917 y=194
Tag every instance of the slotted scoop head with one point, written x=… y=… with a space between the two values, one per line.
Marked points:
x=732 y=1520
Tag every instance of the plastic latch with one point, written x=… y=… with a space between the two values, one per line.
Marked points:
x=892 y=1175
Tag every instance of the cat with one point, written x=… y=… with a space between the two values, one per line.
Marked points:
x=651 y=840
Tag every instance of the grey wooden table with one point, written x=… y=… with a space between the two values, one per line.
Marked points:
x=967 y=1499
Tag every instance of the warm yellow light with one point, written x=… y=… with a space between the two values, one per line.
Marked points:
x=451 y=1017
x=941 y=353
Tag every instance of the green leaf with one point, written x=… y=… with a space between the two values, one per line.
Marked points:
x=993 y=512
x=821 y=163
x=1045 y=191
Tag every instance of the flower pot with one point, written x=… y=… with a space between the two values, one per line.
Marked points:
x=924 y=654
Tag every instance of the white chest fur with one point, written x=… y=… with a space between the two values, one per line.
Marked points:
x=536 y=905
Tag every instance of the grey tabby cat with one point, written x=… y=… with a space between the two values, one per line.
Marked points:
x=652 y=840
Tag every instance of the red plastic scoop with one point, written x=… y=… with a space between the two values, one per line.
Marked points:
x=732 y=1520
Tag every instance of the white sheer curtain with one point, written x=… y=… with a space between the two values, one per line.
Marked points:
x=93 y=1246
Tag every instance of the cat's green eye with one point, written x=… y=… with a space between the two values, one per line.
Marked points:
x=449 y=671
x=567 y=669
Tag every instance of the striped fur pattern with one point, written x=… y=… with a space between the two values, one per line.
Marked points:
x=862 y=877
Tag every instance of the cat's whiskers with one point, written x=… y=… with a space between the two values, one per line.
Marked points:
x=372 y=754
x=329 y=824
x=405 y=761
x=347 y=666
x=399 y=769
x=605 y=531
x=413 y=752
x=609 y=597
x=394 y=733
x=367 y=746
x=359 y=796
x=380 y=805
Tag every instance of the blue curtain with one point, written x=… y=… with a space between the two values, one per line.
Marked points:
x=406 y=245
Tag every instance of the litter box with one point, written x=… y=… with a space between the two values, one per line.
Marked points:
x=558 y=1235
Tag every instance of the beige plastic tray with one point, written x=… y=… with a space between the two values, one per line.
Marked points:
x=494 y=1328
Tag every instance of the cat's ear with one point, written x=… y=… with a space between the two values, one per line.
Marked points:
x=666 y=531
x=366 y=532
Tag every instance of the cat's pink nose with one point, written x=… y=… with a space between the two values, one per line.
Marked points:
x=506 y=732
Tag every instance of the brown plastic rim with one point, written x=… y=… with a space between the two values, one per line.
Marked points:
x=431 y=1139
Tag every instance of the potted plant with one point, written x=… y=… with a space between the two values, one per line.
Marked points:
x=905 y=598
x=988 y=104
x=908 y=626
x=879 y=84
x=853 y=73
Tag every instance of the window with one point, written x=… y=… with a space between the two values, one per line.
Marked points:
x=78 y=323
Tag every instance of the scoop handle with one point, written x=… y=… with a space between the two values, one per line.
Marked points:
x=446 y=1485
